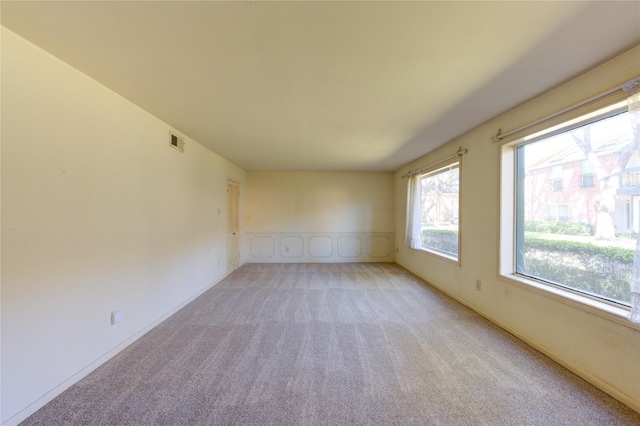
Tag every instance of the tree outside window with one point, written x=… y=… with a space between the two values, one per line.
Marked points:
x=439 y=210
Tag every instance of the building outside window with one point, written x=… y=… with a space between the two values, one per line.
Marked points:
x=588 y=178
x=631 y=177
x=556 y=178
x=557 y=212
x=582 y=238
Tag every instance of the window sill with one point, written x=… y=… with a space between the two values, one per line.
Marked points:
x=602 y=309
x=440 y=255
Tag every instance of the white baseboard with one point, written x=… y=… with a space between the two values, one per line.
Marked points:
x=600 y=384
x=603 y=386
x=49 y=396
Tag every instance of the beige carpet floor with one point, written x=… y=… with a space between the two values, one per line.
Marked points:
x=330 y=344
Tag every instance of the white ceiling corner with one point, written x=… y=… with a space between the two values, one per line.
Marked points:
x=327 y=85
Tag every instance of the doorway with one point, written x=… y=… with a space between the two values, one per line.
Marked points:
x=233 y=225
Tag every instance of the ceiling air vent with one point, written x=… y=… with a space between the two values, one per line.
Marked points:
x=177 y=142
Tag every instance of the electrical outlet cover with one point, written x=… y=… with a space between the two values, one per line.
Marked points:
x=116 y=317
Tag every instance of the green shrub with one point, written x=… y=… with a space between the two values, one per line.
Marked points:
x=604 y=253
x=563 y=228
x=604 y=271
x=445 y=240
x=628 y=235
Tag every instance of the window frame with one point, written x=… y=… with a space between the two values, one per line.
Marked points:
x=557 y=217
x=442 y=166
x=508 y=217
x=587 y=172
x=556 y=179
x=632 y=175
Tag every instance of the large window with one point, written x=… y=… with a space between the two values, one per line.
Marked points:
x=435 y=207
x=579 y=233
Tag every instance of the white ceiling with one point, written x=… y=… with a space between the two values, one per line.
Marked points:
x=327 y=85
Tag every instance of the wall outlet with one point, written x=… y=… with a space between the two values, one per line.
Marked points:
x=116 y=317
x=478 y=285
x=286 y=249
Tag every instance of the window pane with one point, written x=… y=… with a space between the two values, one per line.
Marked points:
x=588 y=181
x=440 y=201
x=588 y=178
x=563 y=212
x=587 y=167
x=583 y=236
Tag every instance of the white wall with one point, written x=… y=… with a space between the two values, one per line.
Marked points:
x=98 y=213
x=604 y=351
x=320 y=216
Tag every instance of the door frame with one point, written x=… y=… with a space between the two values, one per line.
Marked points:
x=233 y=223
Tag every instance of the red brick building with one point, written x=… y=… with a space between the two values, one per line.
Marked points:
x=562 y=186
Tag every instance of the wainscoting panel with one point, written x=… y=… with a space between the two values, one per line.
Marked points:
x=292 y=247
x=349 y=246
x=320 y=247
x=263 y=247
x=379 y=246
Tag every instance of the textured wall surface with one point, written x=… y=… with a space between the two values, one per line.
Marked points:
x=603 y=349
x=320 y=217
x=99 y=214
